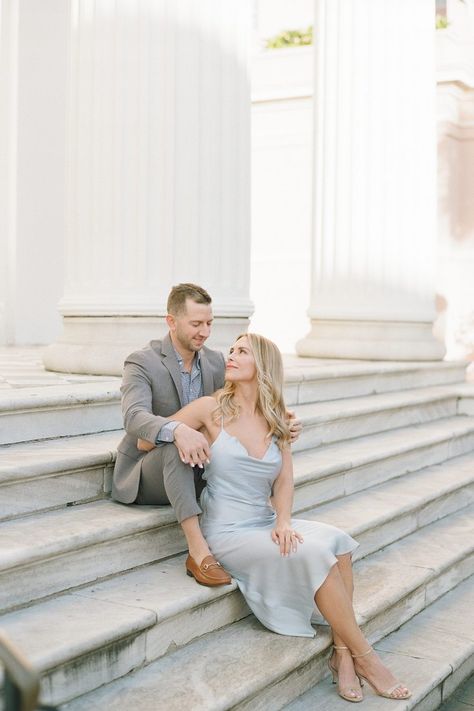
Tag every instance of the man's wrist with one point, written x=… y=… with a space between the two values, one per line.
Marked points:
x=166 y=433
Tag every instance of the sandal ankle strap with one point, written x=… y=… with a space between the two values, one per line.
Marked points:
x=364 y=654
x=335 y=647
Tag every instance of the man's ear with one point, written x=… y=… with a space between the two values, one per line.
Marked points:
x=170 y=320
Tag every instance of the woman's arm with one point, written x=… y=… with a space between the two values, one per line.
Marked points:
x=283 y=489
x=192 y=445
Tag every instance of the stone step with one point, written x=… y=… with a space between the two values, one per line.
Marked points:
x=338 y=420
x=69 y=409
x=36 y=476
x=433 y=654
x=466 y=398
x=317 y=380
x=59 y=410
x=244 y=666
x=43 y=475
x=385 y=513
x=336 y=470
x=44 y=554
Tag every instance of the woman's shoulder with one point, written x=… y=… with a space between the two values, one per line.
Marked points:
x=207 y=402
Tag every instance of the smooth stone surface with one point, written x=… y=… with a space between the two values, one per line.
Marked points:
x=29 y=459
x=160 y=603
x=382 y=514
x=423 y=653
x=112 y=527
x=369 y=381
x=46 y=535
x=222 y=670
x=353 y=454
x=383 y=600
x=210 y=659
x=70 y=626
x=41 y=475
x=59 y=410
x=48 y=553
x=44 y=493
x=355 y=417
x=372 y=340
x=358 y=463
x=163 y=588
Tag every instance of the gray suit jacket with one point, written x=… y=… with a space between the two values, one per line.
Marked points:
x=151 y=393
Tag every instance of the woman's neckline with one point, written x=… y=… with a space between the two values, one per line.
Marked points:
x=258 y=459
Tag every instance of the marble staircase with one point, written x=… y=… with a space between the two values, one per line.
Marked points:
x=95 y=592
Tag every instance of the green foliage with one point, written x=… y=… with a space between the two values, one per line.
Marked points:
x=441 y=22
x=290 y=38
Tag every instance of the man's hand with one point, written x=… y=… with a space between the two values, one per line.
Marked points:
x=295 y=425
x=192 y=446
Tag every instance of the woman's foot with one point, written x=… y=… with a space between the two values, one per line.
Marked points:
x=342 y=667
x=370 y=667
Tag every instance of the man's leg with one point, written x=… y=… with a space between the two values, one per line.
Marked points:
x=165 y=479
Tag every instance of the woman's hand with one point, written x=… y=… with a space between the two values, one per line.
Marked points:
x=287 y=538
x=145 y=446
x=295 y=425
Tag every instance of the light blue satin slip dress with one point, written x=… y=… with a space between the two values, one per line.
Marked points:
x=237 y=521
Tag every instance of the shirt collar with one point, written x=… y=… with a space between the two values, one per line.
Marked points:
x=196 y=359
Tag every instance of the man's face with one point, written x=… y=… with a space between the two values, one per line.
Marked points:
x=191 y=329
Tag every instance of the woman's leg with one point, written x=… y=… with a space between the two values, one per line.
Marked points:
x=341 y=659
x=334 y=602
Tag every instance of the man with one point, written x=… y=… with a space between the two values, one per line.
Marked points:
x=158 y=380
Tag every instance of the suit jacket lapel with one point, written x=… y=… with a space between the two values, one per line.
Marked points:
x=206 y=375
x=171 y=364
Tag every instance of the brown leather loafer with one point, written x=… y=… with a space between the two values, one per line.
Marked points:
x=210 y=572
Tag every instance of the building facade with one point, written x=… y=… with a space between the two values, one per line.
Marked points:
x=129 y=145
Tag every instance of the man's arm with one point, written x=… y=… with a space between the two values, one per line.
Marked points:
x=138 y=418
x=144 y=426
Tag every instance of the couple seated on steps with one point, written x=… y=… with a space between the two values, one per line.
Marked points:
x=201 y=428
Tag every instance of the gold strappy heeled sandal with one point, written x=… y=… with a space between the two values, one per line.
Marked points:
x=389 y=693
x=344 y=693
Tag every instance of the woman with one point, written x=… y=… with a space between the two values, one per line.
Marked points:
x=282 y=565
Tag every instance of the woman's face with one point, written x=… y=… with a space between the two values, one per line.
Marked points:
x=240 y=365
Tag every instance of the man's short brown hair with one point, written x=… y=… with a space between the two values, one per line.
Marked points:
x=177 y=298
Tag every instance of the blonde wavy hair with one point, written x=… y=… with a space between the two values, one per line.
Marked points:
x=270 y=378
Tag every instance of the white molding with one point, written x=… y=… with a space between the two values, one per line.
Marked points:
x=280 y=74
x=95 y=307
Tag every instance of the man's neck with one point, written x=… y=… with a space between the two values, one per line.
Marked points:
x=187 y=356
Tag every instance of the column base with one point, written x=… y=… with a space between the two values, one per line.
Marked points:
x=371 y=340
x=99 y=345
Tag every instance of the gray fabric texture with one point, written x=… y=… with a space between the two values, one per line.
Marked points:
x=151 y=394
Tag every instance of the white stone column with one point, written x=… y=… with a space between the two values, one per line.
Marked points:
x=33 y=51
x=158 y=174
x=374 y=225
x=455 y=282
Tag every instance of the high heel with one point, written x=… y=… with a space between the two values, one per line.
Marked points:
x=389 y=693
x=343 y=693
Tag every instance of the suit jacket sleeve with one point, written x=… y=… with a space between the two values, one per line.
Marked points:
x=139 y=420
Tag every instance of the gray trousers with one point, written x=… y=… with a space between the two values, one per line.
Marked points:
x=166 y=480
